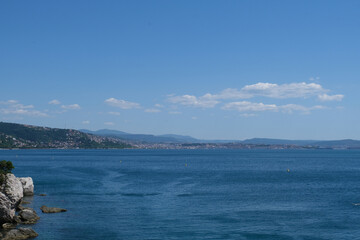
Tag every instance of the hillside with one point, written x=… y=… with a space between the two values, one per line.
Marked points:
x=14 y=135
x=169 y=140
x=142 y=138
x=271 y=141
x=339 y=144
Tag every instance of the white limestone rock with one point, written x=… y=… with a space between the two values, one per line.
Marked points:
x=13 y=189
x=7 y=212
x=28 y=186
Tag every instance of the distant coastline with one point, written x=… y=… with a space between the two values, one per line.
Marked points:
x=20 y=136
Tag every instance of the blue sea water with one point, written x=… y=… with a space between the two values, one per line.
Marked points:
x=194 y=194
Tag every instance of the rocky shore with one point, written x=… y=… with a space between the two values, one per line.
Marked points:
x=12 y=213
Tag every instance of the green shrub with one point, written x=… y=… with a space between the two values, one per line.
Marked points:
x=5 y=167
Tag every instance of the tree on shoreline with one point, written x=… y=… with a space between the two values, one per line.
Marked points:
x=5 y=167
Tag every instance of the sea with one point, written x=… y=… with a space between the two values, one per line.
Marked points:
x=194 y=194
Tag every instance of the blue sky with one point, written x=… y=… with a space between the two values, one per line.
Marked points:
x=209 y=69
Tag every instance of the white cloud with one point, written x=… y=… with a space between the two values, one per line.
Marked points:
x=114 y=113
x=13 y=107
x=109 y=123
x=175 y=112
x=194 y=118
x=121 y=103
x=290 y=108
x=152 y=110
x=292 y=90
x=248 y=115
x=314 y=78
x=205 y=101
x=71 y=107
x=15 y=104
x=159 y=105
x=232 y=93
x=261 y=89
x=54 y=102
x=247 y=107
x=324 y=97
x=270 y=90
x=86 y=122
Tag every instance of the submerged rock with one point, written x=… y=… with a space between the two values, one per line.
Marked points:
x=28 y=186
x=46 y=209
x=20 y=233
x=7 y=212
x=28 y=216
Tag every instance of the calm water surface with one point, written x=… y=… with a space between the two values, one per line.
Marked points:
x=194 y=194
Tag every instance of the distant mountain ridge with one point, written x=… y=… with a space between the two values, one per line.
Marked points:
x=271 y=141
x=148 y=138
x=173 y=138
x=344 y=143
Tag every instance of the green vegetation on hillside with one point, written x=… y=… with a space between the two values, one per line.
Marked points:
x=6 y=142
x=14 y=135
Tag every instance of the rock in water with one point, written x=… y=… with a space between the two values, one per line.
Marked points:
x=20 y=233
x=28 y=186
x=8 y=226
x=7 y=213
x=28 y=216
x=16 y=219
x=46 y=209
x=20 y=207
x=13 y=189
